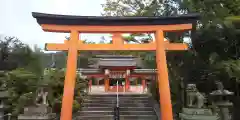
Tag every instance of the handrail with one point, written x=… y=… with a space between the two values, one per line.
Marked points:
x=116 y=108
x=117 y=94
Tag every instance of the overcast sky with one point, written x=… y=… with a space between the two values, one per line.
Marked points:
x=16 y=19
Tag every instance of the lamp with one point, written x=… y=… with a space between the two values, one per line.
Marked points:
x=107 y=72
x=128 y=72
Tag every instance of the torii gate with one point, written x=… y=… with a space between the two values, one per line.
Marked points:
x=115 y=25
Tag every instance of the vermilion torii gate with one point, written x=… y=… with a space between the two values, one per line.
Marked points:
x=115 y=25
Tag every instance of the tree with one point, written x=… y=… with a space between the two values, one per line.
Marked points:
x=213 y=36
x=15 y=54
x=23 y=74
x=21 y=85
x=54 y=78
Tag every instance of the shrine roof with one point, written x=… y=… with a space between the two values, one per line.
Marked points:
x=99 y=71
x=115 y=56
x=117 y=62
x=43 y=18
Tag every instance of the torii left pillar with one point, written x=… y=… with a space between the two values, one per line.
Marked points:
x=70 y=78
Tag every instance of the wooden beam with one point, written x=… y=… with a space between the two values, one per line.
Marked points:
x=117 y=39
x=117 y=47
x=176 y=46
x=56 y=46
x=114 y=29
x=104 y=47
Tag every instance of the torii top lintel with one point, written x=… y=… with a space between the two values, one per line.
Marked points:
x=95 y=24
x=114 y=25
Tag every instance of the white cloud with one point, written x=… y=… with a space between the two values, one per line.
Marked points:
x=16 y=19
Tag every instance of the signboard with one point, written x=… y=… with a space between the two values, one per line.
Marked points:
x=114 y=74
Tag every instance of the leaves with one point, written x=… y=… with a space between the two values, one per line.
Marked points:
x=216 y=45
x=232 y=67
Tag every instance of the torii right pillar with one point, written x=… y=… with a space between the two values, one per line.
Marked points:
x=162 y=77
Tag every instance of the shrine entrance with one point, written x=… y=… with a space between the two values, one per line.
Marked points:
x=110 y=68
x=115 y=26
x=113 y=85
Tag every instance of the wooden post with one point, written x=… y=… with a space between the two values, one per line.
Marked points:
x=163 y=82
x=70 y=78
x=143 y=84
x=136 y=81
x=106 y=83
x=90 y=85
x=126 y=83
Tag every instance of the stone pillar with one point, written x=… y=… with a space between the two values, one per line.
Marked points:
x=41 y=112
x=197 y=114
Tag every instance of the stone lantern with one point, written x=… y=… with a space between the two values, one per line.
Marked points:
x=221 y=98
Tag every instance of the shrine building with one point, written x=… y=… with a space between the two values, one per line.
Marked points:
x=127 y=70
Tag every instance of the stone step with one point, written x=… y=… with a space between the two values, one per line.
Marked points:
x=120 y=95
x=113 y=104
x=121 y=108
x=132 y=107
x=120 y=98
x=88 y=113
x=122 y=117
x=114 y=101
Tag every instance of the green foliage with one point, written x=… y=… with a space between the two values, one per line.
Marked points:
x=23 y=74
x=231 y=67
x=15 y=54
x=20 y=83
x=76 y=106
x=54 y=78
x=215 y=50
x=21 y=80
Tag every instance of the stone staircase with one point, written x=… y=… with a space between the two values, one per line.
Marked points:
x=132 y=107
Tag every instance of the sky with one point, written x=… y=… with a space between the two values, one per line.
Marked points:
x=16 y=18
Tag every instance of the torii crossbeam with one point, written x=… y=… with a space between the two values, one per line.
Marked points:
x=115 y=25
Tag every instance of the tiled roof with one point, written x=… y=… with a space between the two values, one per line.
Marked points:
x=117 y=62
x=137 y=71
x=43 y=18
x=114 y=56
